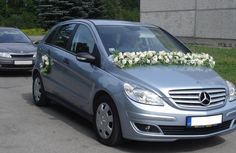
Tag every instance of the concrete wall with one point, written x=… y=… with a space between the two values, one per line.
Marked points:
x=199 y=20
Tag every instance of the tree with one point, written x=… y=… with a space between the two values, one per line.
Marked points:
x=53 y=11
x=123 y=9
x=98 y=10
x=113 y=8
x=3 y=7
x=79 y=10
x=130 y=4
x=20 y=13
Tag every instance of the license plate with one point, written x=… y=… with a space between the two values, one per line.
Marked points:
x=204 y=121
x=23 y=62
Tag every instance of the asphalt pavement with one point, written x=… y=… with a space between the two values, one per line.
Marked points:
x=26 y=128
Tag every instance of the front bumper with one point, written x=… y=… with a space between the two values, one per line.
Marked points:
x=16 y=64
x=170 y=122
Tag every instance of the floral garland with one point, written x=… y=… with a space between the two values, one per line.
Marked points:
x=132 y=59
x=46 y=64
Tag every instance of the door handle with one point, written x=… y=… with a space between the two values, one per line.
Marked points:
x=66 y=61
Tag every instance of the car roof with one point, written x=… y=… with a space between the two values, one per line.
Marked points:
x=98 y=22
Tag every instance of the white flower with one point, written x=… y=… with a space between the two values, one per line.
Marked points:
x=136 y=60
x=142 y=55
x=44 y=57
x=120 y=55
x=167 y=61
x=160 y=57
x=130 y=62
x=116 y=59
x=170 y=57
x=180 y=54
x=153 y=57
x=124 y=61
x=132 y=54
x=45 y=65
x=199 y=62
x=150 y=54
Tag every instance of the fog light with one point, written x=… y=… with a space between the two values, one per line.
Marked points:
x=147 y=128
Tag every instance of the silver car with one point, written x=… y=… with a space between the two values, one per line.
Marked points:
x=147 y=103
x=17 y=52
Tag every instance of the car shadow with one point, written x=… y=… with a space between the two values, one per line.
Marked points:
x=171 y=147
x=58 y=112
x=15 y=73
x=85 y=127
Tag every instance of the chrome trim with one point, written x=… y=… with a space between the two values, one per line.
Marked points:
x=189 y=98
x=147 y=133
x=151 y=116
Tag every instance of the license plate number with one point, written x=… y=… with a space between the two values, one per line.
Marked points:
x=23 y=62
x=204 y=121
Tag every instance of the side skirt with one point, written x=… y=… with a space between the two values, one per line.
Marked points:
x=70 y=106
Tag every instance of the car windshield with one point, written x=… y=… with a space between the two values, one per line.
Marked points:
x=13 y=36
x=138 y=38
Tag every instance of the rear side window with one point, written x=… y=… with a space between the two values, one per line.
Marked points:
x=50 y=36
x=63 y=35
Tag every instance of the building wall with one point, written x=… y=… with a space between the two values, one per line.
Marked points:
x=200 y=21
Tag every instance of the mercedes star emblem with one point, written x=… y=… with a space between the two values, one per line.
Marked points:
x=204 y=98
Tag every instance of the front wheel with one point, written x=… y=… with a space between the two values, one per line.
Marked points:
x=39 y=95
x=107 y=122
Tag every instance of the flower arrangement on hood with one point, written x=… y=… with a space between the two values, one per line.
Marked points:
x=46 y=64
x=132 y=59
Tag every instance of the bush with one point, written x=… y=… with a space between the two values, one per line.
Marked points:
x=24 y=20
x=34 y=31
x=130 y=15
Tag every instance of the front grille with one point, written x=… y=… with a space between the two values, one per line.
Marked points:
x=22 y=55
x=183 y=130
x=16 y=66
x=189 y=98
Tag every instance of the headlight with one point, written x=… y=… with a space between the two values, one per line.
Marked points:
x=232 y=91
x=142 y=96
x=35 y=54
x=6 y=55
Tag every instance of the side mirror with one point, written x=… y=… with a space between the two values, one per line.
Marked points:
x=85 y=57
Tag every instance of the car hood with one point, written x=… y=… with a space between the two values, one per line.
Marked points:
x=17 y=47
x=165 y=78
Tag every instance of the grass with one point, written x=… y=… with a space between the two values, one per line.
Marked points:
x=225 y=60
x=34 y=32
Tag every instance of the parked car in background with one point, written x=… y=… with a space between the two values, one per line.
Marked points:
x=17 y=52
x=74 y=67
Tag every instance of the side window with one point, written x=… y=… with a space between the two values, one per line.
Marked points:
x=62 y=37
x=83 y=40
x=50 y=36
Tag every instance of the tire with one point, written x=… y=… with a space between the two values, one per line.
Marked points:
x=106 y=122
x=39 y=95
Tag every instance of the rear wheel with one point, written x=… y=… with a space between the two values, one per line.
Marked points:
x=39 y=95
x=107 y=122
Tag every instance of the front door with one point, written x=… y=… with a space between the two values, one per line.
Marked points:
x=80 y=76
